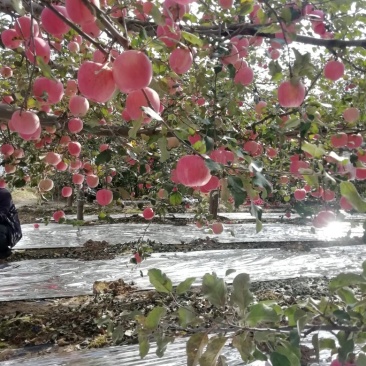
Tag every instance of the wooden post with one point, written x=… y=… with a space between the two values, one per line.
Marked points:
x=80 y=205
x=214 y=203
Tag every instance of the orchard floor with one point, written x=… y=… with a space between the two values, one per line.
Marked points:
x=62 y=279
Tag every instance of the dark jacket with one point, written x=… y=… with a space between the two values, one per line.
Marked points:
x=9 y=217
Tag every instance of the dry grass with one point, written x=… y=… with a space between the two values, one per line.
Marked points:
x=24 y=196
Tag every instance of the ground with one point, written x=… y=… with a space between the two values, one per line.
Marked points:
x=64 y=324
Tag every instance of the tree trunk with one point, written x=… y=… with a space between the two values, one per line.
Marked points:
x=80 y=205
x=214 y=203
x=70 y=201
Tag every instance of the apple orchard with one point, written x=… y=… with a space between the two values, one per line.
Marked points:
x=246 y=101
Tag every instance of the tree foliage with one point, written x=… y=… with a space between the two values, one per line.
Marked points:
x=218 y=70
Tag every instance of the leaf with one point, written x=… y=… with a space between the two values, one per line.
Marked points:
x=241 y=295
x=273 y=28
x=136 y=125
x=175 y=198
x=261 y=313
x=229 y=272
x=341 y=159
x=194 y=348
x=186 y=316
x=185 y=285
x=315 y=343
x=292 y=123
x=45 y=68
x=235 y=185
x=213 y=351
x=213 y=166
x=232 y=71
x=144 y=345
x=154 y=317
x=310 y=177
x=345 y=279
x=192 y=38
x=18 y=7
x=313 y=149
x=160 y=281
x=349 y=191
x=103 y=157
x=361 y=359
x=244 y=344
x=162 y=343
x=347 y=295
x=275 y=70
x=118 y=333
x=261 y=181
x=151 y=113
x=341 y=315
x=326 y=343
x=214 y=289
x=278 y=359
x=164 y=153
x=157 y=16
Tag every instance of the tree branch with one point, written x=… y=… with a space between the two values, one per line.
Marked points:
x=6 y=111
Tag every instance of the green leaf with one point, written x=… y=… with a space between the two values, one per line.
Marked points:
x=214 y=289
x=18 y=7
x=185 y=285
x=229 y=272
x=213 y=351
x=192 y=38
x=315 y=343
x=294 y=313
x=164 y=153
x=347 y=295
x=261 y=313
x=341 y=159
x=157 y=15
x=361 y=360
x=45 y=68
x=244 y=344
x=261 y=181
x=162 y=343
x=345 y=279
x=292 y=123
x=103 y=157
x=341 y=315
x=160 y=281
x=186 y=316
x=310 y=177
x=349 y=191
x=326 y=343
x=275 y=70
x=347 y=345
x=175 y=198
x=144 y=345
x=273 y=28
x=154 y=317
x=136 y=125
x=194 y=348
x=212 y=165
x=232 y=71
x=278 y=359
x=151 y=113
x=292 y=353
x=259 y=355
x=235 y=185
x=241 y=295
x=312 y=149
x=118 y=333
